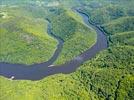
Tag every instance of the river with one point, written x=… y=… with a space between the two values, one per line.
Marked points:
x=39 y=71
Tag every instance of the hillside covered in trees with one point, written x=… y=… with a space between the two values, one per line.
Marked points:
x=107 y=76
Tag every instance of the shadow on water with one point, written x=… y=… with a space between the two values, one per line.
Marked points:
x=39 y=71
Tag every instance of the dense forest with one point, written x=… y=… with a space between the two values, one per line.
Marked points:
x=107 y=76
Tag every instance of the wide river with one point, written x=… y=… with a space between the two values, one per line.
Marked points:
x=39 y=71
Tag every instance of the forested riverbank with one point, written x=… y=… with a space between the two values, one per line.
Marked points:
x=107 y=76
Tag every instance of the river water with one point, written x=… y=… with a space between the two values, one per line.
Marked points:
x=39 y=71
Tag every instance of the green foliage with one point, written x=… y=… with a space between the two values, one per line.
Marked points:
x=122 y=24
x=116 y=57
x=53 y=88
x=110 y=73
x=101 y=81
x=63 y=30
x=77 y=37
x=25 y=40
x=108 y=12
x=126 y=88
x=124 y=38
x=77 y=44
x=108 y=76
